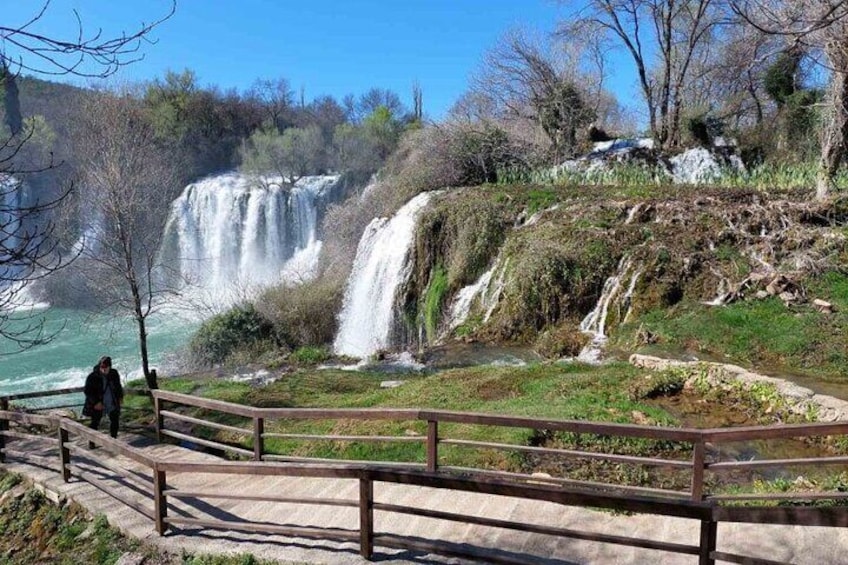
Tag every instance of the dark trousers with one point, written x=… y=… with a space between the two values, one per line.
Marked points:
x=114 y=416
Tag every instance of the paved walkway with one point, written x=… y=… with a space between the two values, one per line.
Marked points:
x=791 y=544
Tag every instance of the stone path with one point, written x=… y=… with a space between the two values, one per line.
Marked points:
x=791 y=544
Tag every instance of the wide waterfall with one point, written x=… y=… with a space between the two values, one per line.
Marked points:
x=381 y=266
x=232 y=233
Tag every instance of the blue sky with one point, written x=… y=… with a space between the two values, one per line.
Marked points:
x=324 y=46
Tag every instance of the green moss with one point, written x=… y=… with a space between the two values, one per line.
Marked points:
x=434 y=300
x=310 y=355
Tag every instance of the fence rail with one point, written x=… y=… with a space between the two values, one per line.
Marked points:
x=695 y=503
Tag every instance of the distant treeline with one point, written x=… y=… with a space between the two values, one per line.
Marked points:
x=267 y=127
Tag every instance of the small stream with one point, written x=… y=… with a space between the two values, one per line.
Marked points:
x=692 y=411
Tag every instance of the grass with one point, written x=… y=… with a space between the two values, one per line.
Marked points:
x=761 y=332
x=644 y=180
x=36 y=530
x=310 y=355
x=568 y=391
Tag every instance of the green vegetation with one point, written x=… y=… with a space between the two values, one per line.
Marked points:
x=434 y=301
x=763 y=333
x=36 y=530
x=223 y=334
x=310 y=355
x=571 y=391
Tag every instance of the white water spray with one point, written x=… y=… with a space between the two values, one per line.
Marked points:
x=381 y=266
x=595 y=322
x=236 y=231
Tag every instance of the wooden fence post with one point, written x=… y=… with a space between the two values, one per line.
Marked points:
x=64 y=454
x=432 y=445
x=160 y=420
x=709 y=533
x=4 y=426
x=258 y=442
x=366 y=517
x=160 y=502
x=698 y=460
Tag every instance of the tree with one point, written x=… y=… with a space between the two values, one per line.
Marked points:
x=276 y=99
x=169 y=100
x=417 y=102
x=820 y=26
x=28 y=248
x=383 y=131
x=672 y=31
x=525 y=82
x=125 y=197
x=295 y=153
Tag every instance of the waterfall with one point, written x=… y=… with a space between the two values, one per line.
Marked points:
x=485 y=292
x=233 y=230
x=381 y=266
x=595 y=322
x=16 y=273
x=462 y=303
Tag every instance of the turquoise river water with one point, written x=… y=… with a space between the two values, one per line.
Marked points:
x=80 y=340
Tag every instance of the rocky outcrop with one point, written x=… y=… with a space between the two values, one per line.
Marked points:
x=800 y=399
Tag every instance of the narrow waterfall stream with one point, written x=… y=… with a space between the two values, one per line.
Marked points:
x=595 y=323
x=382 y=264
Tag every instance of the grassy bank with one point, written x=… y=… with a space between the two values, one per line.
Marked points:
x=37 y=530
x=563 y=391
x=765 y=333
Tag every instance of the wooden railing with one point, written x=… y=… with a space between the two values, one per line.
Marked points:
x=695 y=503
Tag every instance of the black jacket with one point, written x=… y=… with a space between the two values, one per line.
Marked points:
x=94 y=386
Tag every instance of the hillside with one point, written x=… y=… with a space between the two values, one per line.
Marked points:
x=742 y=275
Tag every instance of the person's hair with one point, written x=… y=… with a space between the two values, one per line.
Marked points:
x=105 y=361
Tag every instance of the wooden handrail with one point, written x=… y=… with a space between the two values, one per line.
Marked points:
x=57 y=392
x=699 y=506
x=698 y=438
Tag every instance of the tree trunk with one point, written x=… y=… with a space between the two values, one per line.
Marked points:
x=11 y=101
x=142 y=336
x=149 y=376
x=834 y=133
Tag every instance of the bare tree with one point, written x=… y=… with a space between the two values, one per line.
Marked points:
x=672 y=31
x=820 y=26
x=28 y=249
x=276 y=99
x=417 y=102
x=81 y=53
x=526 y=83
x=125 y=197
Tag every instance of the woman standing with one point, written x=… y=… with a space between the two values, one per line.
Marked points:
x=103 y=392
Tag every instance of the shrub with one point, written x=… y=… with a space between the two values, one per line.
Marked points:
x=303 y=315
x=221 y=335
x=562 y=341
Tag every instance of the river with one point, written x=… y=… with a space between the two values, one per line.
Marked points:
x=80 y=339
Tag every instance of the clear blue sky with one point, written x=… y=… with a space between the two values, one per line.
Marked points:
x=325 y=46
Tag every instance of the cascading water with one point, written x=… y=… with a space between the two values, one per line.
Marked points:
x=237 y=231
x=595 y=322
x=464 y=298
x=381 y=266
x=16 y=292
x=485 y=293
